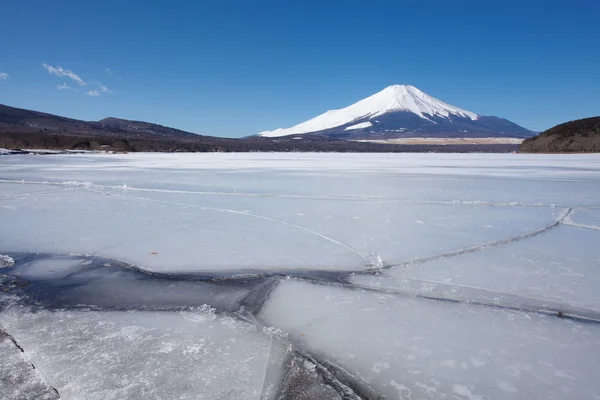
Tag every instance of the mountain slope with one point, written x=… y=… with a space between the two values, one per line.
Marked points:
x=582 y=135
x=16 y=120
x=141 y=127
x=402 y=111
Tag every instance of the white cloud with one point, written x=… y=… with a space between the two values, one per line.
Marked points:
x=103 y=88
x=108 y=71
x=59 y=71
x=3 y=76
x=64 y=86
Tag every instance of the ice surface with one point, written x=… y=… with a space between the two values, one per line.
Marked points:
x=412 y=348
x=183 y=232
x=439 y=276
x=128 y=355
x=561 y=266
x=18 y=377
x=163 y=236
x=406 y=178
x=182 y=213
x=585 y=218
x=24 y=190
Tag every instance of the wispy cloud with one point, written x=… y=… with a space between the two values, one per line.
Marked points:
x=103 y=88
x=3 y=76
x=61 y=72
x=64 y=86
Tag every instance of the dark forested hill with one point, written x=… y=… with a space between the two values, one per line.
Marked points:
x=17 y=120
x=582 y=135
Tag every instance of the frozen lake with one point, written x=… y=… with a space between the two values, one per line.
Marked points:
x=290 y=276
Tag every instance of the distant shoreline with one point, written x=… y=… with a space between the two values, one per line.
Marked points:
x=133 y=146
x=446 y=141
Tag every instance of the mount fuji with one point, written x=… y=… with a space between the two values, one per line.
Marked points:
x=400 y=111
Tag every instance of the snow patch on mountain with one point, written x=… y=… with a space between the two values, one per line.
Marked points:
x=402 y=98
x=359 y=126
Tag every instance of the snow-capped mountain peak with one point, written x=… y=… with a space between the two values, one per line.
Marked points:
x=395 y=98
x=409 y=98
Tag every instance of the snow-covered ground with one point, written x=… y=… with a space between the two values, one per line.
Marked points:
x=272 y=276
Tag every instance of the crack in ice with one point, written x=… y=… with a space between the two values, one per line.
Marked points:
x=568 y=221
x=483 y=246
x=237 y=212
x=359 y=199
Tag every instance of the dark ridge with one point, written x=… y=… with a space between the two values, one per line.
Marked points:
x=26 y=129
x=579 y=136
x=205 y=144
x=141 y=127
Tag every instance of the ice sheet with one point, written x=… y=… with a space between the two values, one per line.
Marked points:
x=585 y=218
x=24 y=190
x=529 y=179
x=164 y=236
x=407 y=347
x=190 y=212
x=516 y=232
x=127 y=355
x=396 y=231
x=562 y=266
x=183 y=232
x=18 y=377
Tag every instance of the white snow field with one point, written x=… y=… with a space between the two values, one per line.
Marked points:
x=300 y=276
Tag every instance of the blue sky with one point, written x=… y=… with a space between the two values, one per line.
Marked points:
x=234 y=68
